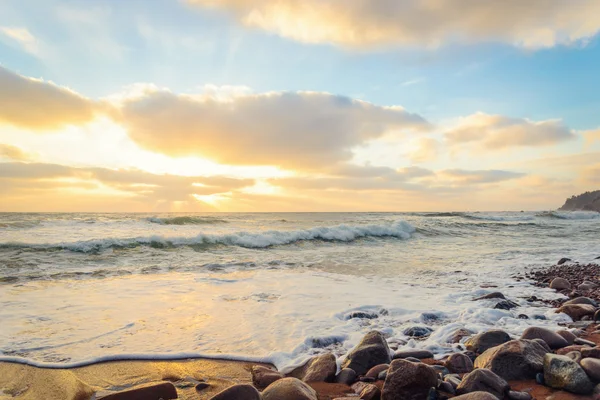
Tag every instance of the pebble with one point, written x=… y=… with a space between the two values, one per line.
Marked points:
x=346 y=376
x=237 y=392
x=560 y=284
x=591 y=366
x=552 y=339
x=560 y=372
x=514 y=395
x=418 y=331
x=289 y=388
x=164 y=391
x=483 y=341
x=584 y=342
x=483 y=380
x=415 y=353
x=459 y=363
x=376 y=370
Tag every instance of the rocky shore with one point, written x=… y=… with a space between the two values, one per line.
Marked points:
x=491 y=365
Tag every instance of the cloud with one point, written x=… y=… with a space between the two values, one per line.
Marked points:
x=427 y=150
x=494 y=132
x=140 y=184
x=39 y=105
x=591 y=136
x=368 y=23
x=467 y=177
x=13 y=153
x=23 y=37
x=297 y=130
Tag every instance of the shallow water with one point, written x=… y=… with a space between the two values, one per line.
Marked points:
x=272 y=287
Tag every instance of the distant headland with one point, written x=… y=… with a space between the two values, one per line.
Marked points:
x=588 y=201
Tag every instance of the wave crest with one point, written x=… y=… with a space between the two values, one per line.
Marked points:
x=569 y=215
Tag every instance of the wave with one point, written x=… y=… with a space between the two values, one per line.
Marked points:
x=186 y=220
x=500 y=218
x=339 y=233
x=440 y=214
x=569 y=215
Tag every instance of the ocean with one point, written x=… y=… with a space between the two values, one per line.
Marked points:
x=274 y=287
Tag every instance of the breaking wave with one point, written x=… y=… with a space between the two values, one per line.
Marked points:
x=569 y=215
x=341 y=233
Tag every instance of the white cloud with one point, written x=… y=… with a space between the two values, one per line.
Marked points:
x=23 y=37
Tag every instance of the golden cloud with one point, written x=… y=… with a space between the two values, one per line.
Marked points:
x=368 y=23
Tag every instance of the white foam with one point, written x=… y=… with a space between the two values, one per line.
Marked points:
x=500 y=218
x=571 y=214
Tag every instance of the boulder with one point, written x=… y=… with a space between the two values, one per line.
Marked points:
x=567 y=335
x=164 y=391
x=418 y=331
x=576 y=311
x=321 y=368
x=459 y=363
x=238 y=392
x=506 y=305
x=376 y=370
x=553 y=339
x=476 y=396
x=370 y=392
x=459 y=334
x=543 y=344
x=517 y=359
x=494 y=295
x=560 y=284
x=289 y=389
x=408 y=381
x=590 y=352
x=486 y=340
x=587 y=285
x=581 y=300
x=560 y=372
x=263 y=376
x=483 y=380
x=415 y=353
x=371 y=351
x=591 y=366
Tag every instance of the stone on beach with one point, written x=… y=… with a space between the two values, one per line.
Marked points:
x=321 y=368
x=371 y=351
x=459 y=363
x=263 y=376
x=289 y=389
x=486 y=340
x=576 y=311
x=569 y=349
x=483 y=380
x=553 y=339
x=590 y=352
x=414 y=353
x=591 y=366
x=459 y=334
x=516 y=359
x=567 y=335
x=575 y=356
x=560 y=284
x=407 y=381
x=493 y=295
x=587 y=285
x=376 y=370
x=476 y=396
x=346 y=376
x=238 y=392
x=160 y=391
x=560 y=372
x=581 y=300
x=418 y=331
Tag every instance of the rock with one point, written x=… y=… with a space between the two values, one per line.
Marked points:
x=440 y=369
x=413 y=359
x=560 y=284
x=382 y=375
x=453 y=379
x=346 y=376
x=587 y=285
x=289 y=389
x=376 y=370
x=367 y=379
x=476 y=396
x=418 y=331
x=447 y=387
x=590 y=352
x=522 y=316
x=370 y=392
x=361 y=314
x=568 y=336
x=483 y=341
x=517 y=359
x=584 y=342
x=201 y=386
x=408 y=381
x=263 y=376
x=540 y=317
x=576 y=311
x=575 y=356
x=569 y=349
x=483 y=380
x=459 y=363
x=560 y=372
x=505 y=305
x=553 y=339
x=539 y=378
x=458 y=335
x=321 y=368
x=238 y=392
x=544 y=345
x=371 y=351
x=415 y=353
x=582 y=300
x=164 y=391
x=597 y=316
x=591 y=366
x=494 y=295
x=513 y=395
x=429 y=317
x=563 y=260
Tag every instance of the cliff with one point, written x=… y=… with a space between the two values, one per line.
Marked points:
x=588 y=201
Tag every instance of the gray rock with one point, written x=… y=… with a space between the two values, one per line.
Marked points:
x=576 y=311
x=476 y=396
x=408 y=381
x=483 y=380
x=459 y=363
x=413 y=359
x=563 y=260
x=453 y=379
x=560 y=284
x=543 y=344
x=361 y=315
x=459 y=334
x=567 y=335
x=263 y=376
x=486 y=340
x=587 y=285
x=321 y=368
x=447 y=387
x=376 y=370
x=415 y=353
x=506 y=305
x=553 y=339
x=418 y=331
x=582 y=300
x=371 y=351
x=238 y=392
x=591 y=366
x=493 y=295
x=514 y=395
x=347 y=376
x=517 y=359
x=584 y=342
x=560 y=372
x=289 y=389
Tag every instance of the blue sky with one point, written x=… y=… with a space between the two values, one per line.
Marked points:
x=98 y=48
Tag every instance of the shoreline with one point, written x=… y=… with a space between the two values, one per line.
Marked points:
x=26 y=379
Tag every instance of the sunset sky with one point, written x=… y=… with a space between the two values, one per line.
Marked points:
x=312 y=105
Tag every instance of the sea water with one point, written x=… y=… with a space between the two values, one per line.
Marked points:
x=276 y=287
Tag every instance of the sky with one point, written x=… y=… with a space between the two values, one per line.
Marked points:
x=318 y=105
